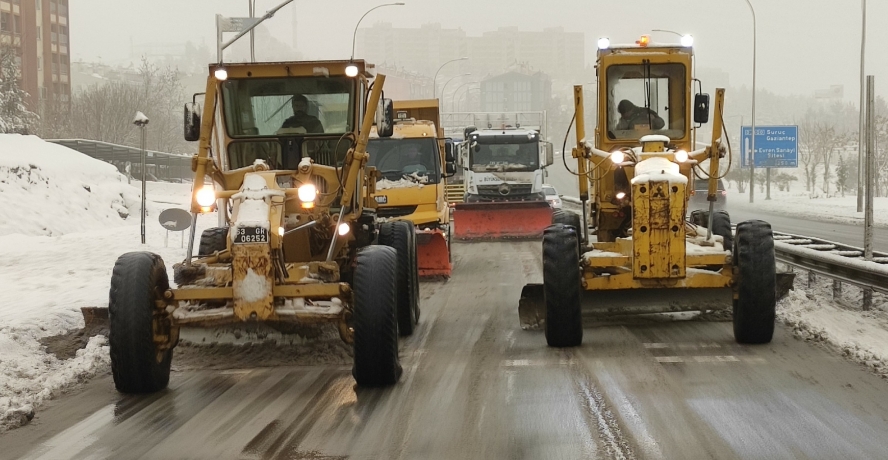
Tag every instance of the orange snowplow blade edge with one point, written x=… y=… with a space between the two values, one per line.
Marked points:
x=432 y=254
x=495 y=220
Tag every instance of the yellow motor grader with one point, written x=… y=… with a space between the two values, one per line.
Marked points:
x=635 y=176
x=285 y=146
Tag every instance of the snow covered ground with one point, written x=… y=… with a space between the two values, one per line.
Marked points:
x=800 y=204
x=60 y=241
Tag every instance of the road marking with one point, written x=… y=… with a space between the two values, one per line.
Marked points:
x=716 y=359
x=681 y=345
x=537 y=362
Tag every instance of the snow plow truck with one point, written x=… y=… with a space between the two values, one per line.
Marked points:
x=503 y=171
x=413 y=164
x=635 y=174
x=285 y=146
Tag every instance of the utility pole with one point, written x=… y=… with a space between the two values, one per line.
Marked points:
x=141 y=121
x=870 y=181
x=862 y=123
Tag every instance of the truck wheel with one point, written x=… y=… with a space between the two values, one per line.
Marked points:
x=375 y=321
x=401 y=236
x=721 y=225
x=561 y=287
x=213 y=240
x=138 y=280
x=756 y=303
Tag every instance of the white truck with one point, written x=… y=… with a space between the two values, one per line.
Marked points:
x=504 y=164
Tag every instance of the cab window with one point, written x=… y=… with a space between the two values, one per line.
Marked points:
x=646 y=99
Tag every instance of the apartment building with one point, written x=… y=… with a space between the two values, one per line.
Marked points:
x=38 y=31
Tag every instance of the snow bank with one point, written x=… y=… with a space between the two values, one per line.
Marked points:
x=802 y=204
x=48 y=189
x=63 y=223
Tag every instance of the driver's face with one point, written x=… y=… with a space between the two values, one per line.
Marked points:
x=299 y=106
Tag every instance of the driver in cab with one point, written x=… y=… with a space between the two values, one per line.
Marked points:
x=301 y=122
x=413 y=161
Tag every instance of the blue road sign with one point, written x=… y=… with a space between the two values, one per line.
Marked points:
x=775 y=146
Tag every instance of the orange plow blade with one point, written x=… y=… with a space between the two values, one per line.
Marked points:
x=496 y=220
x=432 y=253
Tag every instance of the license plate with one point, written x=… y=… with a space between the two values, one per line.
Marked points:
x=251 y=235
x=382 y=199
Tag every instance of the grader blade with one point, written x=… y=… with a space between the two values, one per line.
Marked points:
x=500 y=220
x=433 y=253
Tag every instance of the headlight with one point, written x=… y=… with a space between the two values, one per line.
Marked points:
x=206 y=196
x=687 y=40
x=604 y=43
x=681 y=156
x=221 y=74
x=621 y=195
x=343 y=229
x=618 y=157
x=351 y=70
x=307 y=193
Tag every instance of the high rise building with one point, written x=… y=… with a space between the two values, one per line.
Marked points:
x=38 y=31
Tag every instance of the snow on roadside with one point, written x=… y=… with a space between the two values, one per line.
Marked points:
x=64 y=220
x=39 y=178
x=861 y=336
x=800 y=204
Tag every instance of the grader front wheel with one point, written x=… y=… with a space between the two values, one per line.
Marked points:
x=375 y=318
x=756 y=297
x=561 y=287
x=138 y=366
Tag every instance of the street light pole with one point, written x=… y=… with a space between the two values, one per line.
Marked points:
x=752 y=140
x=443 y=88
x=861 y=138
x=456 y=91
x=435 y=80
x=141 y=121
x=355 y=35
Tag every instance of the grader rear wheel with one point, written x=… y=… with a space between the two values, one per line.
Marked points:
x=756 y=302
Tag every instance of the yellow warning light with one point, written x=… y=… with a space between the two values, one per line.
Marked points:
x=645 y=40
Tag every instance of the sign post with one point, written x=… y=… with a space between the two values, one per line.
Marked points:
x=177 y=220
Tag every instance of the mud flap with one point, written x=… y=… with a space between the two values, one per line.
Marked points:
x=433 y=253
x=532 y=304
x=496 y=220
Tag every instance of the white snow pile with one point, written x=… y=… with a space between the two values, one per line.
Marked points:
x=409 y=180
x=48 y=189
x=862 y=336
x=59 y=245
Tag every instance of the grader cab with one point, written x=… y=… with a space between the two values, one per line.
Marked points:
x=636 y=172
x=285 y=147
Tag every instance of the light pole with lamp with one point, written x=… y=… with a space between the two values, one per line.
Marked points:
x=355 y=34
x=435 y=80
x=141 y=121
x=752 y=136
x=459 y=102
x=444 y=88
x=456 y=91
x=861 y=138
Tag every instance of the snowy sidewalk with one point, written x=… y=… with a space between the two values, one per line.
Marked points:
x=799 y=204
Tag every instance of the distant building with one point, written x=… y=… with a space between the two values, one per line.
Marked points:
x=38 y=30
x=519 y=90
x=402 y=85
x=426 y=48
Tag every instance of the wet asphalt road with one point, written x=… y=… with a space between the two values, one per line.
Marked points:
x=478 y=387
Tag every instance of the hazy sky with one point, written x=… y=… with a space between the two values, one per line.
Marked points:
x=803 y=45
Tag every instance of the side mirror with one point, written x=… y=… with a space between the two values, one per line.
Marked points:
x=550 y=156
x=192 y=121
x=448 y=150
x=701 y=108
x=450 y=168
x=385 y=118
x=467 y=131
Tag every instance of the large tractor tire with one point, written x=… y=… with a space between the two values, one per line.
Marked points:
x=571 y=219
x=561 y=287
x=138 y=279
x=721 y=225
x=755 y=308
x=213 y=240
x=375 y=318
x=401 y=235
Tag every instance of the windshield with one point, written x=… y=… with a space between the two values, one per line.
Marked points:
x=288 y=106
x=523 y=156
x=646 y=99
x=411 y=159
x=549 y=191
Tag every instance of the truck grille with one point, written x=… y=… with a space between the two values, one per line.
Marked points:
x=505 y=190
x=395 y=211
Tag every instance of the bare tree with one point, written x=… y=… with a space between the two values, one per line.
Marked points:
x=808 y=150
